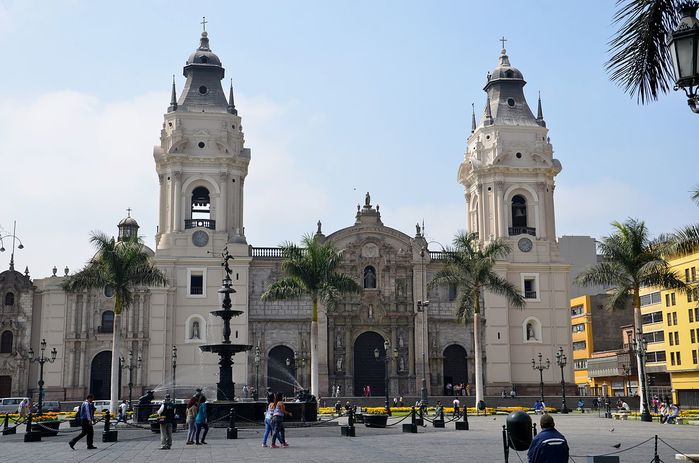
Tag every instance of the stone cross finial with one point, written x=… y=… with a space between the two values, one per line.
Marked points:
x=503 y=40
x=204 y=22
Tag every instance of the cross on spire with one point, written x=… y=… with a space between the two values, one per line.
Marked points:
x=203 y=22
x=128 y=210
x=503 y=40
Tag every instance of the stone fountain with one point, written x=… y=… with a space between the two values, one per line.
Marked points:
x=226 y=349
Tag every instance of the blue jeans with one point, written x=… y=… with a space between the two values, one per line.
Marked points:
x=205 y=427
x=278 y=430
x=268 y=430
x=192 y=431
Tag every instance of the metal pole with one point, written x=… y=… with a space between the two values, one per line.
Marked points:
x=541 y=383
x=41 y=384
x=131 y=367
x=388 y=364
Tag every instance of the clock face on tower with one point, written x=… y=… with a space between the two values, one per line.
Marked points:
x=200 y=238
x=525 y=244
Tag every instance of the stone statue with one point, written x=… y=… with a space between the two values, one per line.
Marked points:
x=367 y=200
x=417 y=229
x=319 y=230
x=195 y=330
x=339 y=364
x=371 y=311
x=369 y=278
x=400 y=341
x=530 y=332
x=401 y=364
x=338 y=341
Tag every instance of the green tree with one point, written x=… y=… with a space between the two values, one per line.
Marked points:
x=120 y=265
x=312 y=270
x=469 y=267
x=631 y=260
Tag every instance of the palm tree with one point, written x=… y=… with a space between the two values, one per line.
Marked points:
x=311 y=270
x=469 y=267
x=631 y=261
x=684 y=241
x=640 y=61
x=120 y=265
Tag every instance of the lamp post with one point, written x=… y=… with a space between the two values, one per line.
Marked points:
x=626 y=371
x=174 y=369
x=14 y=237
x=256 y=360
x=387 y=360
x=541 y=367
x=131 y=366
x=562 y=361
x=41 y=360
x=684 y=49
x=422 y=307
x=640 y=345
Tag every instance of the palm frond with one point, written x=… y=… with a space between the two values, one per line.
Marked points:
x=640 y=61
x=684 y=241
x=502 y=287
x=287 y=288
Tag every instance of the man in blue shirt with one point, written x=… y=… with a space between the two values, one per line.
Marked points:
x=86 y=416
x=549 y=446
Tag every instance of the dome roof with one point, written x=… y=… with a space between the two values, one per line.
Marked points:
x=504 y=70
x=128 y=222
x=203 y=55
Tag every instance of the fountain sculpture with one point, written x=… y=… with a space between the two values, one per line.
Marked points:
x=226 y=350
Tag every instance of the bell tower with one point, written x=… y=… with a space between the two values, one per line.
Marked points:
x=508 y=176
x=201 y=162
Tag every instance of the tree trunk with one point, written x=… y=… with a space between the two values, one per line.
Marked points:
x=638 y=325
x=314 y=358
x=478 y=357
x=116 y=346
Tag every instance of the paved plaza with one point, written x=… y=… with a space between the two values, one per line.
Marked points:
x=587 y=435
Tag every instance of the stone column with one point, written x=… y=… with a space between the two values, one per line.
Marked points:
x=222 y=213
x=177 y=202
x=82 y=380
x=542 y=226
x=501 y=214
x=240 y=207
x=84 y=321
x=141 y=296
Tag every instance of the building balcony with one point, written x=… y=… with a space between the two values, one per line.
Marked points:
x=514 y=231
x=530 y=294
x=200 y=223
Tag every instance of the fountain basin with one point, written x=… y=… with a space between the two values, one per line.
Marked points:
x=224 y=348
x=226 y=313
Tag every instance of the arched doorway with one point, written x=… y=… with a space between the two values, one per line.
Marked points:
x=280 y=376
x=455 y=367
x=368 y=370
x=101 y=375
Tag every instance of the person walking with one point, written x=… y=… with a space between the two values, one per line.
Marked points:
x=191 y=414
x=166 y=414
x=549 y=445
x=23 y=409
x=202 y=421
x=123 y=406
x=86 y=416
x=268 y=419
x=456 y=404
x=278 y=421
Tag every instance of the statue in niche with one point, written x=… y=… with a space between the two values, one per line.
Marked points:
x=531 y=335
x=195 y=330
x=400 y=341
x=338 y=341
x=339 y=364
x=401 y=364
x=371 y=311
x=369 y=278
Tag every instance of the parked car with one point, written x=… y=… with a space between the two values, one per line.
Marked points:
x=49 y=406
x=101 y=406
x=10 y=404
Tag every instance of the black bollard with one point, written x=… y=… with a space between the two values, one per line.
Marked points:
x=420 y=421
x=534 y=429
x=109 y=434
x=439 y=420
x=6 y=430
x=412 y=426
x=505 y=446
x=232 y=431
x=31 y=436
x=349 y=430
x=463 y=425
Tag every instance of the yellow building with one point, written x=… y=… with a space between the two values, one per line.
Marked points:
x=602 y=364
x=671 y=327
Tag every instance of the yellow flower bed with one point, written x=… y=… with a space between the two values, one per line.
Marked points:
x=447 y=410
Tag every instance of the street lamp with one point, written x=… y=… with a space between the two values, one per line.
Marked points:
x=562 y=361
x=387 y=360
x=174 y=369
x=684 y=49
x=422 y=307
x=626 y=371
x=14 y=237
x=41 y=360
x=640 y=345
x=131 y=366
x=257 y=372
x=541 y=367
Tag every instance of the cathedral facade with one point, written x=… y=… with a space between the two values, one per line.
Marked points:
x=201 y=164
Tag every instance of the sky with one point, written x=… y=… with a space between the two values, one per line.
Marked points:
x=337 y=99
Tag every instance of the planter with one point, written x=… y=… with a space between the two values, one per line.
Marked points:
x=375 y=421
x=359 y=418
x=46 y=428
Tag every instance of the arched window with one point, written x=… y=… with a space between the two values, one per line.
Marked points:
x=6 y=342
x=10 y=298
x=531 y=330
x=519 y=211
x=107 y=322
x=201 y=203
x=369 y=277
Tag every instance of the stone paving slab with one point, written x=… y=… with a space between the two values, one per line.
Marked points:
x=483 y=443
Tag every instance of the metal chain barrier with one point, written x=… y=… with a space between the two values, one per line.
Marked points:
x=16 y=425
x=399 y=421
x=618 y=451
